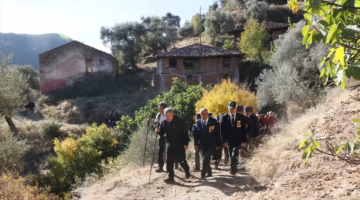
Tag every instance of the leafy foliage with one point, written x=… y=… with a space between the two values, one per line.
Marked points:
x=198 y=26
x=31 y=75
x=186 y=30
x=182 y=98
x=213 y=7
x=256 y=10
x=158 y=33
x=338 y=26
x=126 y=42
x=293 y=82
x=15 y=188
x=228 y=44
x=75 y=158
x=52 y=130
x=218 y=23
x=12 y=151
x=216 y=100
x=172 y=20
x=252 y=40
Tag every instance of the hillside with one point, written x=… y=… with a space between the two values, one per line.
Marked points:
x=26 y=48
x=275 y=172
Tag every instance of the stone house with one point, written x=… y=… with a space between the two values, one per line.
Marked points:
x=274 y=29
x=71 y=62
x=196 y=64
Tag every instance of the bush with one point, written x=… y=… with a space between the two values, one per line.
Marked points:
x=186 y=30
x=218 y=23
x=12 y=151
x=282 y=14
x=216 y=100
x=14 y=188
x=52 y=130
x=227 y=44
x=257 y=10
x=76 y=158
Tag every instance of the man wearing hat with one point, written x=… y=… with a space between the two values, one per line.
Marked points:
x=254 y=120
x=234 y=133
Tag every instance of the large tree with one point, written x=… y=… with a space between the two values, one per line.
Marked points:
x=13 y=88
x=172 y=20
x=126 y=40
x=198 y=26
x=218 y=23
x=32 y=76
x=257 y=10
x=158 y=34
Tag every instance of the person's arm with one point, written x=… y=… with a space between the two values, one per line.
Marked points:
x=195 y=134
x=184 y=133
x=161 y=129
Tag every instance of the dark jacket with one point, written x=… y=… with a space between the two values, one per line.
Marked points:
x=237 y=134
x=210 y=139
x=255 y=122
x=175 y=133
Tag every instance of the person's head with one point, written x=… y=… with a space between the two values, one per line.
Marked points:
x=240 y=109
x=232 y=107
x=169 y=114
x=248 y=110
x=161 y=106
x=204 y=113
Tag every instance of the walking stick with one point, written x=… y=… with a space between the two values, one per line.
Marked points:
x=152 y=162
x=147 y=132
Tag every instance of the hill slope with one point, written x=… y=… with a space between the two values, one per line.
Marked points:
x=26 y=48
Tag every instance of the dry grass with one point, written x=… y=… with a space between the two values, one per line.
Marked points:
x=279 y=152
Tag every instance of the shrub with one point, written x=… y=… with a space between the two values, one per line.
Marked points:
x=186 y=30
x=216 y=100
x=228 y=44
x=76 y=158
x=14 y=188
x=12 y=151
x=52 y=130
x=256 y=10
x=195 y=21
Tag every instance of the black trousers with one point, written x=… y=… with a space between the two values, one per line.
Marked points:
x=175 y=154
x=160 y=156
x=226 y=151
x=234 y=156
x=207 y=152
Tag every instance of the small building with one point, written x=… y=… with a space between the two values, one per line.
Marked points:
x=71 y=62
x=196 y=64
x=274 y=29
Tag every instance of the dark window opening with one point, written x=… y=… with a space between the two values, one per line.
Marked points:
x=172 y=63
x=226 y=62
x=101 y=62
x=192 y=63
x=89 y=67
x=188 y=76
x=226 y=76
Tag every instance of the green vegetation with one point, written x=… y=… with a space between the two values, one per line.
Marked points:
x=218 y=23
x=335 y=23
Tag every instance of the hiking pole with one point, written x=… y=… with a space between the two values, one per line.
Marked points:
x=152 y=162
x=147 y=132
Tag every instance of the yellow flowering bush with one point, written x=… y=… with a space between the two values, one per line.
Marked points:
x=216 y=100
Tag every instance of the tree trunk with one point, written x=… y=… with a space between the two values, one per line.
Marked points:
x=11 y=125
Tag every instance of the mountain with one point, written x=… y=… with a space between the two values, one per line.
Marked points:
x=26 y=48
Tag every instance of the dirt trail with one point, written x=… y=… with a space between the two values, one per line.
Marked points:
x=133 y=184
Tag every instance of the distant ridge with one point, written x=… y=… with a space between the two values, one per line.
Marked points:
x=27 y=47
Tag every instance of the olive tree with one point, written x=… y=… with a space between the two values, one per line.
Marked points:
x=218 y=23
x=257 y=10
x=13 y=87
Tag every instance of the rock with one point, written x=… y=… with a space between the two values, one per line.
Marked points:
x=326 y=178
x=323 y=194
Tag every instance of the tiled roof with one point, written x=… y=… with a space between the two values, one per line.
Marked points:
x=199 y=50
x=269 y=25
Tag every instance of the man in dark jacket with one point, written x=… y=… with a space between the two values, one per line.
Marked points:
x=234 y=133
x=254 y=120
x=177 y=139
x=206 y=132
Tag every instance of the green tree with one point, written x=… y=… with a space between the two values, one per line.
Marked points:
x=338 y=26
x=227 y=44
x=198 y=25
x=13 y=87
x=172 y=20
x=252 y=40
x=213 y=7
x=218 y=23
x=158 y=33
x=256 y=10
x=126 y=42
x=32 y=76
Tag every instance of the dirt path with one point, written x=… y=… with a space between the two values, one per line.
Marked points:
x=133 y=184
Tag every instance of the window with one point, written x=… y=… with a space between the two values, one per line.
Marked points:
x=188 y=76
x=89 y=67
x=191 y=63
x=101 y=62
x=172 y=63
x=226 y=62
x=226 y=76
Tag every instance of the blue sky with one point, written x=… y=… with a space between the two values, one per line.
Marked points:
x=81 y=19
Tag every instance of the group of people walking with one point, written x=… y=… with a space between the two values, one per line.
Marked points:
x=111 y=118
x=229 y=133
